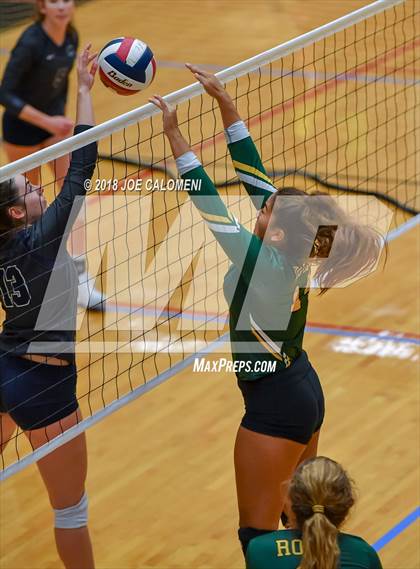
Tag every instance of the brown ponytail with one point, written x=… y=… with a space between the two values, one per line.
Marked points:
x=321 y=495
x=9 y=195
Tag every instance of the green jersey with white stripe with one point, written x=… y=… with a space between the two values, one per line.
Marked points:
x=284 y=549
x=267 y=296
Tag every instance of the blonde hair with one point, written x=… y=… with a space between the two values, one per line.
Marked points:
x=357 y=247
x=321 y=495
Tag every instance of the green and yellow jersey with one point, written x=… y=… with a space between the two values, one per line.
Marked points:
x=267 y=296
x=283 y=550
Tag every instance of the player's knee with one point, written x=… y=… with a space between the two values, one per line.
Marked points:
x=246 y=534
x=74 y=516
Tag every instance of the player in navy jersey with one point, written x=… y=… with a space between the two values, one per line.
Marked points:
x=37 y=362
x=35 y=84
x=34 y=93
x=267 y=289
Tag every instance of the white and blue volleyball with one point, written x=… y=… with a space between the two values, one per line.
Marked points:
x=126 y=65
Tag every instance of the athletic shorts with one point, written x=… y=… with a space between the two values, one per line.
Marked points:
x=36 y=395
x=288 y=404
x=22 y=133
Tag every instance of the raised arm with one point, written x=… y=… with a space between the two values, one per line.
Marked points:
x=245 y=157
x=242 y=247
x=54 y=224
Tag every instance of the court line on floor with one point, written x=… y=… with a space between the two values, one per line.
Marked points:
x=385 y=335
x=88 y=422
x=311 y=327
x=397 y=530
x=401 y=229
x=307 y=74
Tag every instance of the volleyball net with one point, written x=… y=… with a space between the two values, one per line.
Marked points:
x=332 y=110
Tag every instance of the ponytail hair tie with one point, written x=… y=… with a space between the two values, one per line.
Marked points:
x=318 y=509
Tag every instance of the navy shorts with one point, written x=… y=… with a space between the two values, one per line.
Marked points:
x=22 y=133
x=287 y=404
x=36 y=395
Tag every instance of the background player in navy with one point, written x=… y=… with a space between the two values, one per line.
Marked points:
x=34 y=93
x=37 y=366
x=321 y=496
x=35 y=85
x=266 y=288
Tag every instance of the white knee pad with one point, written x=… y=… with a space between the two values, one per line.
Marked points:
x=74 y=516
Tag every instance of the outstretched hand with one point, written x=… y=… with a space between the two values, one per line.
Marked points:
x=85 y=75
x=210 y=82
x=170 y=119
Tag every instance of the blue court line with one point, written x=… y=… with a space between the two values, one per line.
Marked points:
x=358 y=333
x=397 y=530
x=380 y=335
x=88 y=422
x=403 y=228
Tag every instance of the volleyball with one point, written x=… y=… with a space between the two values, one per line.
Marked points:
x=126 y=65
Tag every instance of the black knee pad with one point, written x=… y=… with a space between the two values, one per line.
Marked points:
x=246 y=534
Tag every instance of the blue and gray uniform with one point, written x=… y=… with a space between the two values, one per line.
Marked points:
x=38 y=292
x=36 y=74
x=267 y=297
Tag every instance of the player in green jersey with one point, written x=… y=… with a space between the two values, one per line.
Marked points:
x=266 y=288
x=321 y=496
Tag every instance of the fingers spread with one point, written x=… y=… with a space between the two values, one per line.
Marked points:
x=194 y=69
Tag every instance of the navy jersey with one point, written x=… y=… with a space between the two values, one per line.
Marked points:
x=37 y=322
x=37 y=72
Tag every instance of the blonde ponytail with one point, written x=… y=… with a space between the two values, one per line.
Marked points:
x=357 y=247
x=321 y=495
x=320 y=547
